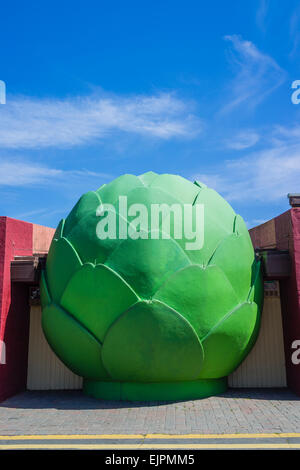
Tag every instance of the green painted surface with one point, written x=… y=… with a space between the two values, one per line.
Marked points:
x=233 y=254
x=169 y=391
x=44 y=293
x=177 y=186
x=62 y=262
x=226 y=344
x=146 y=264
x=148 y=177
x=93 y=290
x=122 y=185
x=151 y=342
x=59 y=231
x=193 y=302
x=73 y=344
x=146 y=318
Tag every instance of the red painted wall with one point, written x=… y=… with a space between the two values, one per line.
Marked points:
x=288 y=235
x=15 y=240
x=283 y=233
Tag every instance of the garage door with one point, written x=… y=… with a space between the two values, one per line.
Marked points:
x=265 y=365
x=45 y=370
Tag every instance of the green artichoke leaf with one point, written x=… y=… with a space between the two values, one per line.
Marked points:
x=44 y=292
x=256 y=293
x=60 y=230
x=156 y=211
x=87 y=204
x=229 y=341
x=169 y=217
x=185 y=190
x=121 y=186
x=80 y=227
x=240 y=228
x=146 y=263
x=219 y=209
x=74 y=345
x=151 y=342
x=96 y=296
x=235 y=256
x=149 y=196
x=213 y=234
x=62 y=262
x=202 y=295
x=85 y=236
x=200 y=184
x=147 y=178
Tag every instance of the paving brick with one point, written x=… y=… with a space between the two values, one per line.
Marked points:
x=70 y=412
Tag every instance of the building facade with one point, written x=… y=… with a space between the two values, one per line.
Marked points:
x=27 y=362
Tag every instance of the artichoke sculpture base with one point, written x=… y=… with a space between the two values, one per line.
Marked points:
x=164 y=391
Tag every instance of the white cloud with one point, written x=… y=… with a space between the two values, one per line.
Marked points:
x=21 y=173
x=294 y=32
x=261 y=14
x=212 y=180
x=281 y=133
x=243 y=140
x=45 y=212
x=33 y=123
x=257 y=75
x=266 y=176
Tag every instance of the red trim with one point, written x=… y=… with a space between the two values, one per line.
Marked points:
x=15 y=239
x=287 y=227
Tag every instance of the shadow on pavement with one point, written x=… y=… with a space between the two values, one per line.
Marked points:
x=76 y=400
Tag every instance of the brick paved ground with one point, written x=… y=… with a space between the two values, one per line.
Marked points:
x=70 y=412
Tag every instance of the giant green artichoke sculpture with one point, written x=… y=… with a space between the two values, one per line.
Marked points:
x=144 y=317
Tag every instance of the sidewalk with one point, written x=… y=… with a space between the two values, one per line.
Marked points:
x=238 y=411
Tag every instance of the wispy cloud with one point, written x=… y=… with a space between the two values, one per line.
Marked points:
x=261 y=14
x=256 y=75
x=22 y=173
x=243 y=140
x=45 y=212
x=294 y=31
x=34 y=123
x=266 y=176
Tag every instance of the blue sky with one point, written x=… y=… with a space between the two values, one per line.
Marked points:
x=96 y=89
